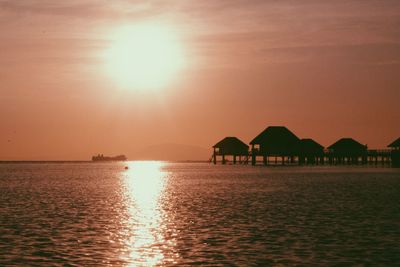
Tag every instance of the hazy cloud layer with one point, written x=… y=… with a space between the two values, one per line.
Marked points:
x=216 y=28
x=327 y=69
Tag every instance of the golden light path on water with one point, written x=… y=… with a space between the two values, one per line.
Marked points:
x=144 y=184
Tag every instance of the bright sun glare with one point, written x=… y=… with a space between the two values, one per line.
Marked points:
x=144 y=56
x=145 y=183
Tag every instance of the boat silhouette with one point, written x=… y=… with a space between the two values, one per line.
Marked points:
x=101 y=157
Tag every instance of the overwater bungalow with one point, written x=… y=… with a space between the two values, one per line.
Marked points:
x=274 y=141
x=230 y=146
x=310 y=152
x=395 y=145
x=347 y=150
x=395 y=153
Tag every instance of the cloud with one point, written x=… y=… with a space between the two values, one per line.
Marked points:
x=224 y=31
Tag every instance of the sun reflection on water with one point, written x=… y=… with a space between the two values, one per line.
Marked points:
x=144 y=183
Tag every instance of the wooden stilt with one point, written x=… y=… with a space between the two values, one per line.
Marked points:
x=215 y=157
x=253 y=156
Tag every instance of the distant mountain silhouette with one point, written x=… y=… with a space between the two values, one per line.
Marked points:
x=171 y=152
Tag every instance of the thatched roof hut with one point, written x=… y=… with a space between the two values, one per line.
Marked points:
x=276 y=140
x=231 y=146
x=348 y=146
x=395 y=144
x=309 y=147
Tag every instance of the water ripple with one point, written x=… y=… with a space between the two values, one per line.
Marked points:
x=186 y=214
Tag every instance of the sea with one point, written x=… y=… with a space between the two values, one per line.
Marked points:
x=152 y=213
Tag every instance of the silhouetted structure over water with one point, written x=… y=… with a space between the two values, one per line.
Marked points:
x=230 y=146
x=347 y=150
x=395 y=144
x=395 y=153
x=310 y=152
x=286 y=148
x=276 y=141
x=347 y=146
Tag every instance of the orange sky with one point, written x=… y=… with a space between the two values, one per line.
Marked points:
x=325 y=69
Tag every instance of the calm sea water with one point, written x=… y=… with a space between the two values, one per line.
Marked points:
x=154 y=213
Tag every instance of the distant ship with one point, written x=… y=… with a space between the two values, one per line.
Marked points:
x=101 y=157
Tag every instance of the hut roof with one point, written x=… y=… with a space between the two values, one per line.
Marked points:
x=309 y=145
x=347 y=144
x=231 y=142
x=275 y=134
x=395 y=143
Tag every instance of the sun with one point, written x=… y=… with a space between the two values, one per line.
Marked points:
x=144 y=56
